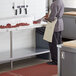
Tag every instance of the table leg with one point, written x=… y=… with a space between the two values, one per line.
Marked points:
x=59 y=59
x=49 y=57
x=11 y=49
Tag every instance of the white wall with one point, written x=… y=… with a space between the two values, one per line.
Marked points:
x=70 y=3
x=37 y=8
x=21 y=39
x=5 y=8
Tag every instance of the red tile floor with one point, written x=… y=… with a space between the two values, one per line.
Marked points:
x=36 y=70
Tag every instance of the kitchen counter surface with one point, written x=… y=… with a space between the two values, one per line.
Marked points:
x=72 y=13
x=23 y=27
x=71 y=44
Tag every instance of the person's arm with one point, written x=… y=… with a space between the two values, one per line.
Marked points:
x=53 y=12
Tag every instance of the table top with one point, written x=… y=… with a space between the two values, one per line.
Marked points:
x=71 y=44
x=24 y=27
x=72 y=13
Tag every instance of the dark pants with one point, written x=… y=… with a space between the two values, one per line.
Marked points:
x=57 y=39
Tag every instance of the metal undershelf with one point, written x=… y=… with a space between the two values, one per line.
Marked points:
x=21 y=54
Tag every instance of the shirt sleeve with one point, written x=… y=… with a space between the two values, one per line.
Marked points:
x=53 y=12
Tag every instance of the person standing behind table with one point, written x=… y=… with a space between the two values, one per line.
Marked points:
x=57 y=10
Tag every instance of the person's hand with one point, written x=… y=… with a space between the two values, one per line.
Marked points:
x=46 y=16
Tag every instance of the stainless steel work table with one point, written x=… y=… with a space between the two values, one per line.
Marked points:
x=18 y=54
